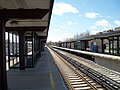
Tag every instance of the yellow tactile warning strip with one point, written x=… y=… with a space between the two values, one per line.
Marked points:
x=52 y=83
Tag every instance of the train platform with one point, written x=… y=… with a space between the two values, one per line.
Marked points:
x=44 y=76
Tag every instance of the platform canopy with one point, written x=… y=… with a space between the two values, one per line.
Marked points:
x=28 y=15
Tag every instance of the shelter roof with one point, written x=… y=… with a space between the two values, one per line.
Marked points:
x=26 y=14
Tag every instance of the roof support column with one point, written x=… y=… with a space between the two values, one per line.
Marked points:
x=21 y=49
x=8 y=49
x=70 y=45
x=109 y=46
x=102 y=46
x=3 y=76
x=113 y=45
x=65 y=44
x=42 y=46
x=85 y=45
x=39 y=47
x=117 y=45
x=59 y=44
x=16 y=47
x=13 y=46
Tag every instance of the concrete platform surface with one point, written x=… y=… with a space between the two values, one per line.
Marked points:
x=45 y=76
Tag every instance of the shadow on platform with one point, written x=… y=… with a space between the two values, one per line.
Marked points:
x=44 y=76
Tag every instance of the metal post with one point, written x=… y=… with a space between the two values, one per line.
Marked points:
x=117 y=45
x=40 y=47
x=66 y=45
x=74 y=45
x=9 y=49
x=3 y=75
x=70 y=45
x=102 y=45
x=112 y=45
x=16 y=45
x=109 y=47
x=33 y=49
x=43 y=45
x=85 y=45
x=21 y=50
x=26 y=47
x=12 y=48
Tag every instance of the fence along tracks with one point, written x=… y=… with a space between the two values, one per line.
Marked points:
x=74 y=79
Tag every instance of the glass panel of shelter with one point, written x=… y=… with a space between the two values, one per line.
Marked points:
x=28 y=49
x=12 y=50
x=114 y=47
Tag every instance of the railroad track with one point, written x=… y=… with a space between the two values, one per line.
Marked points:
x=74 y=79
x=107 y=78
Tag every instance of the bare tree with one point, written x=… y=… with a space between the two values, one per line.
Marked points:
x=87 y=33
x=81 y=35
x=78 y=36
x=69 y=39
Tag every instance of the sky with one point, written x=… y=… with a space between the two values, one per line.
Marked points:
x=70 y=17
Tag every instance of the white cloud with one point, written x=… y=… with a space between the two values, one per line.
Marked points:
x=103 y=23
x=106 y=28
x=117 y=22
x=70 y=23
x=75 y=23
x=79 y=14
x=100 y=26
x=56 y=30
x=62 y=27
x=93 y=27
x=91 y=15
x=60 y=8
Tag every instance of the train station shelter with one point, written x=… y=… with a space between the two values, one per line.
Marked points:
x=26 y=23
x=108 y=42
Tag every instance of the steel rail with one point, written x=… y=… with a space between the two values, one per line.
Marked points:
x=105 y=77
x=81 y=80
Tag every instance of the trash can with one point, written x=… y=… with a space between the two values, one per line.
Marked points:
x=94 y=48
